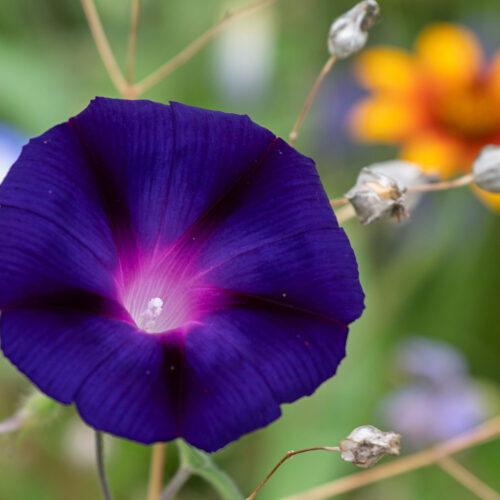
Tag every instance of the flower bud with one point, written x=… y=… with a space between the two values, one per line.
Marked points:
x=377 y=196
x=408 y=174
x=366 y=445
x=486 y=169
x=405 y=172
x=349 y=32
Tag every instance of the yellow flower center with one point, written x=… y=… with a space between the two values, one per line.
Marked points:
x=471 y=113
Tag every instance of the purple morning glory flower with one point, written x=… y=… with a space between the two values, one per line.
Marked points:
x=174 y=272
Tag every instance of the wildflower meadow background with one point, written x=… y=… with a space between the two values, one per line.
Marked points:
x=423 y=360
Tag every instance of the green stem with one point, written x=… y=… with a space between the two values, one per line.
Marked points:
x=99 y=450
x=176 y=483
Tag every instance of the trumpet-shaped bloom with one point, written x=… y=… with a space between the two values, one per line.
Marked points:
x=441 y=103
x=173 y=271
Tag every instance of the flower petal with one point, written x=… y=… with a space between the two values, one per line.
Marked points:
x=385 y=119
x=494 y=76
x=160 y=167
x=450 y=55
x=491 y=200
x=249 y=359
x=119 y=377
x=309 y=271
x=274 y=234
x=388 y=69
x=59 y=350
x=136 y=393
x=55 y=235
x=435 y=152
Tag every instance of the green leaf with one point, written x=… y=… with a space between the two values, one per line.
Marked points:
x=202 y=465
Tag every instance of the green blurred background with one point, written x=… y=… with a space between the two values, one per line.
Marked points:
x=437 y=276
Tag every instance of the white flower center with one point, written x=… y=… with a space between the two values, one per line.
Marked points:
x=147 y=319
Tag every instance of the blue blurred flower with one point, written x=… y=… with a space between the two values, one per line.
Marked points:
x=440 y=400
x=335 y=100
x=433 y=360
x=11 y=142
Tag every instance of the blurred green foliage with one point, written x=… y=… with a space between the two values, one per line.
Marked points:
x=437 y=276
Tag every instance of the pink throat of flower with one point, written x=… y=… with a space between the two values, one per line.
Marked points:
x=161 y=299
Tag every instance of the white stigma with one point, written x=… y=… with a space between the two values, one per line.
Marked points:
x=150 y=315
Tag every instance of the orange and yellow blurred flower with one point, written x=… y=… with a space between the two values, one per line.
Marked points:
x=440 y=103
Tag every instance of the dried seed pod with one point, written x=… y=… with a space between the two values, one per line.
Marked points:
x=366 y=445
x=349 y=32
x=377 y=196
x=486 y=169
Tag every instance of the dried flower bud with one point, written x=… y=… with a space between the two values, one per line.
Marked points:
x=366 y=445
x=405 y=172
x=408 y=174
x=377 y=196
x=486 y=169
x=349 y=32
